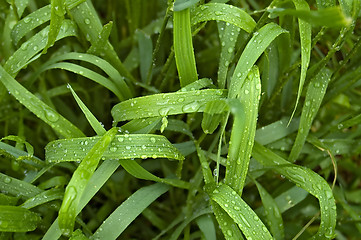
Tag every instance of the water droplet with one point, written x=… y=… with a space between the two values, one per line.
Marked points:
x=25 y=46
x=264 y=229
x=51 y=115
x=191 y=107
x=245 y=221
x=246 y=91
x=218 y=13
x=120 y=139
x=27 y=19
x=229 y=233
x=230 y=50
x=113 y=149
x=35 y=48
x=152 y=139
x=181 y=99
x=7 y=180
x=307 y=103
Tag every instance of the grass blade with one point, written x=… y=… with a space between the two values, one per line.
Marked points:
x=57 y=17
x=183 y=48
x=79 y=180
x=39 y=108
x=119 y=220
x=315 y=92
x=12 y=219
x=165 y=104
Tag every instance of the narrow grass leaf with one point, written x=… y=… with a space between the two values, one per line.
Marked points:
x=79 y=180
x=206 y=225
x=253 y=50
x=96 y=125
x=213 y=114
x=308 y=180
x=125 y=214
x=34 y=45
x=145 y=54
x=57 y=17
x=133 y=168
x=272 y=212
x=38 y=107
x=183 y=48
x=7 y=200
x=21 y=6
x=85 y=72
x=247 y=220
x=245 y=113
x=180 y=5
x=165 y=104
x=28 y=23
x=305 y=37
x=98 y=44
x=315 y=92
x=44 y=197
x=17 y=219
x=126 y=146
x=223 y=12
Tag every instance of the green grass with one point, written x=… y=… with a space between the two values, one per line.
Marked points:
x=180 y=120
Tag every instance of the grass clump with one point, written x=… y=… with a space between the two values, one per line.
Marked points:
x=180 y=119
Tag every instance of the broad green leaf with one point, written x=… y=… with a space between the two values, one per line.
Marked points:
x=128 y=146
x=245 y=112
x=315 y=92
x=79 y=180
x=125 y=214
x=247 y=220
x=306 y=179
x=17 y=219
x=183 y=47
x=223 y=12
x=38 y=107
x=165 y=104
x=253 y=50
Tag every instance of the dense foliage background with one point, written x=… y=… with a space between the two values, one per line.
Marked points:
x=195 y=119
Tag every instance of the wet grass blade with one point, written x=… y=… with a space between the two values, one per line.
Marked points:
x=223 y=12
x=128 y=146
x=183 y=48
x=308 y=180
x=165 y=104
x=17 y=219
x=245 y=113
x=79 y=180
x=38 y=107
x=57 y=17
x=255 y=47
x=119 y=220
x=315 y=92
x=305 y=37
x=247 y=220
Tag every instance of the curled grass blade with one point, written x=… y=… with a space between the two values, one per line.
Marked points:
x=305 y=37
x=183 y=48
x=56 y=19
x=119 y=220
x=245 y=113
x=255 y=47
x=12 y=219
x=34 y=45
x=223 y=12
x=309 y=181
x=243 y=215
x=79 y=180
x=315 y=92
x=127 y=146
x=38 y=107
x=165 y=104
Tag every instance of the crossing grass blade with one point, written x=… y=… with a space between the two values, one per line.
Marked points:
x=43 y=197
x=308 y=180
x=129 y=210
x=315 y=92
x=39 y=108
x=79 y=180
x=165 y=104
x=206 y=225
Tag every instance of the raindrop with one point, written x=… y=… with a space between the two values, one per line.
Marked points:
x=113 y=149
x=87 y=21
x=7 y=180
x=35 y=48
x=152 y=139
x=51 y=115
x=191 y=107
x=246 y=91
x=181 y=99
x=27 y=19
